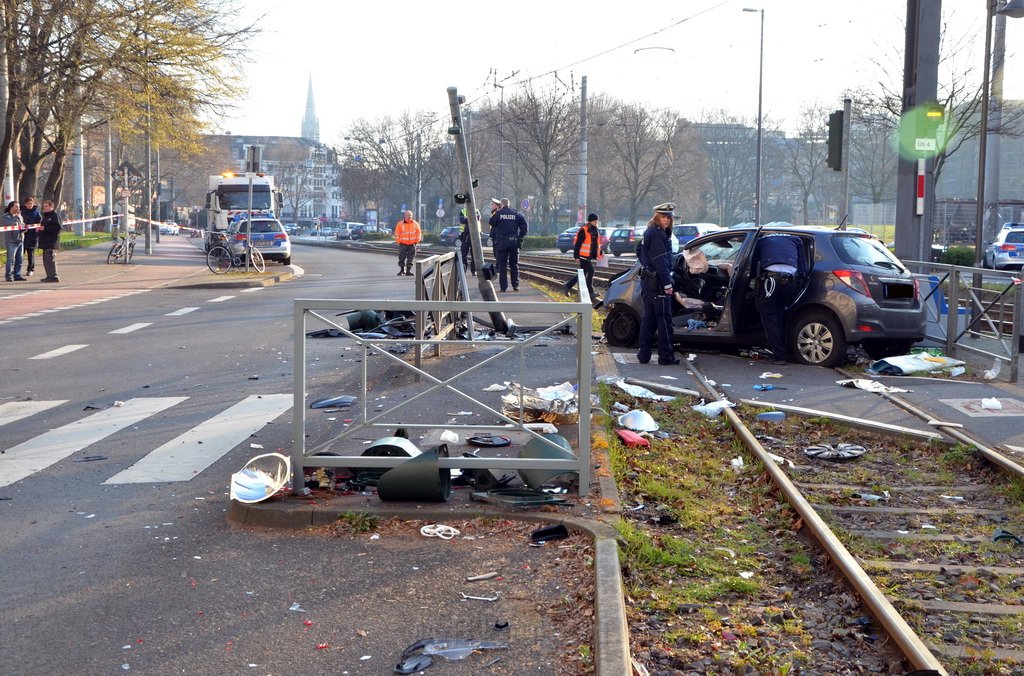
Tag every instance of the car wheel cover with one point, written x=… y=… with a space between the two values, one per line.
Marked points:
x=623 y=326
x=815 y=342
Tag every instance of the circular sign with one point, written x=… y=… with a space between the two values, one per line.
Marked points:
x=525 y=205
x=440 y=213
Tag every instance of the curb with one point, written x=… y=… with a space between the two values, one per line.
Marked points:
x=291 y=272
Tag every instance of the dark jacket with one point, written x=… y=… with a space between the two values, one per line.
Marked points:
x=595 y=243
x=49 y=238
x=779 y=250
x=507 y=224
x=31 y=218
x=655 y=253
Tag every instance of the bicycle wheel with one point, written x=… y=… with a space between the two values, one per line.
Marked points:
x=218 y=260
x=257 y=260
x=114 y=253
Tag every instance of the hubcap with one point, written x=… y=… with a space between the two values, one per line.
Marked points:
x=815 y=343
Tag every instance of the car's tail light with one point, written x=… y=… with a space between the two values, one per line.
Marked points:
x=280 y=235
x=240 y=237
x=1007 y=247
x=632 y=236
x=917 y=289
x=854 y=280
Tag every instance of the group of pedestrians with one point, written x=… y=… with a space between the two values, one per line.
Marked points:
x=25 y=230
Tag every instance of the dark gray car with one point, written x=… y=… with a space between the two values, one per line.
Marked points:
x=857 y=291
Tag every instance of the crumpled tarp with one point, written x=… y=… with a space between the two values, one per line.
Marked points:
x=908 y=364
x=869 y=385
x=555 y=404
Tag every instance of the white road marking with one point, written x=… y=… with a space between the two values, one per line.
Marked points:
x=220 y=299
x=252 y=289
x=132 y=327
x=182 y=311
x=183 y=458
x=59 y=351
x=16 y=410
x=49 y=447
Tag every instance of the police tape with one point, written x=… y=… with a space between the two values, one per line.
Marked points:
x=5 y=228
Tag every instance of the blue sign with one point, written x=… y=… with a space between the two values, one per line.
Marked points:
x=525 y=205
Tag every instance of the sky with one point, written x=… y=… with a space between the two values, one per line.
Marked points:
x=368 y=60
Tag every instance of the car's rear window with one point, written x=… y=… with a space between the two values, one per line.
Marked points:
x=1015 y=237
x=262 y=227
x=858 y=250
x=622 y=232
x=685 y=230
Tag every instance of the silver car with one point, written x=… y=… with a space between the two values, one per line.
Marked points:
x=268 y=235
x=1007 y=251
x=857 y=292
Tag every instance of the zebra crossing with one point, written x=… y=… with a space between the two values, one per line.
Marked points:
x=180 y=459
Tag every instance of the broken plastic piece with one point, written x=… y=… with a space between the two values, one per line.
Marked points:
x=262 y=477
x=772 y=416
x=495 y=388
x=485 y=576
x=840 y=452
x=638 y=421
x=714 y=408
x=991 y=404
x=1001 y=534
x=869 y=385
x=871 y=497
x=488 y=441
x=537 y=448
x=467 y=597
x=334 y=402
x=631 y=439
x=450 y=648
x=522 y=497
x=414 y=664
x=555 y=532
x=641 y=392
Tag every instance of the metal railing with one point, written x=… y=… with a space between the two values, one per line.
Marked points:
x=439 y=306
x=973 y=311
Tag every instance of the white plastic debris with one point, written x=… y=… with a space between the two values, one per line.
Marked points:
x=869 y=385
x=956 y=498
x=737 y=463
x=712 y=409
x=118 y=404
x=781 y=461
x=771 y=374
x=565 y=392
x=991 y=404
x=746 y=575
x=641 y=392
x=993 y=372
x=957 y=371
x=495 y=388
x=449 y=437
x=297 y=608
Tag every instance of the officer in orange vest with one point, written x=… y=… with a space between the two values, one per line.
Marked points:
x=407 y=234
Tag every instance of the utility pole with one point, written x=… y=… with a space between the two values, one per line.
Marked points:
x=582 y=215
x=847 y=125
x=995 y=125
x=108 y=181
x=78 y=177
x=419 y=178
x=920 y=85
x=148 y=195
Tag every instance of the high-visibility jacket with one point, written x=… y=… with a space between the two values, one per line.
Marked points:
x=587 y=243
x=407 y=232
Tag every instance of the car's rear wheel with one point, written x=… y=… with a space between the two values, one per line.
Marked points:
x=880 y=349
x=287 y=260
x=817 y=339
x=564 y=250
x=622 y=327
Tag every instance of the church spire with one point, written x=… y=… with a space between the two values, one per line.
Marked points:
x=310 y=125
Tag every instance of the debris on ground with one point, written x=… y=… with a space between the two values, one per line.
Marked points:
x=869 y=385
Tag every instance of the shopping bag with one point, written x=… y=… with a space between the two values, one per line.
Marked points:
x=601 y=262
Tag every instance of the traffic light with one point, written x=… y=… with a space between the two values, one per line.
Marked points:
x=834 y=159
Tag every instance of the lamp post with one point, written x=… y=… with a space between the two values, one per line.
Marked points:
x=1015 y=10
x=760 y=118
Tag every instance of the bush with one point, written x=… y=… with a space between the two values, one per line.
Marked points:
x=959 y=255
x=534 y=242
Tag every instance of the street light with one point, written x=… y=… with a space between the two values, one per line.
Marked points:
x=760 y=117
x=1015 y=10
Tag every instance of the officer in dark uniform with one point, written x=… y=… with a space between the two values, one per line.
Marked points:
x=508 y=229
x=466 y=243
x=779 y=262
x=655 y=255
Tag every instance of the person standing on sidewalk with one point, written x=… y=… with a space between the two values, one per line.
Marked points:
x=49 y=240
x=508 y=229
x=30 y=214
x=655 y=255
x=408 y=235
x=586 y=250
x=14 y=241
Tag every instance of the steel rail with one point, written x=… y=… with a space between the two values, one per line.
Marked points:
x=909 y=643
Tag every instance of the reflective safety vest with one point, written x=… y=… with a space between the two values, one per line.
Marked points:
x=407 y=232
x=586 y=247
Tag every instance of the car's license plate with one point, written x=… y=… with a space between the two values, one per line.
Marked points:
x=264 y=244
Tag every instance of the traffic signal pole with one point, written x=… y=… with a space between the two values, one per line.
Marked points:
x=844 y=216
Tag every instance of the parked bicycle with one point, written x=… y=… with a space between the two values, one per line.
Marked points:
x=122 y=247
x=221 y=258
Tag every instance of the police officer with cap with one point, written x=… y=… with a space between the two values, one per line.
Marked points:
x=508 y=229
x=655 y=255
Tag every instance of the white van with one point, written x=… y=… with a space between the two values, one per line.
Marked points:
x=350 y=230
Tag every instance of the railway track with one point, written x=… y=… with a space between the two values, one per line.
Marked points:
x=926 y=534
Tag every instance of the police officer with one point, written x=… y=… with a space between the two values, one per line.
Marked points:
x=779 y=262
x=466 y=243
x=655 y=255
x=508 y=229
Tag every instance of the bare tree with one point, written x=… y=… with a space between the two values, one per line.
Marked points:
x=730 y=147
x=804 y=156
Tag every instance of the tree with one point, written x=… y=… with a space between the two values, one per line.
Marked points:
x=804 y=156
x=730 y=146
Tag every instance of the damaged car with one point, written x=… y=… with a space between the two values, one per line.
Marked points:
x=856 y=292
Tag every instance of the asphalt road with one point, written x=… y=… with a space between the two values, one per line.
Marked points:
x=121 y=421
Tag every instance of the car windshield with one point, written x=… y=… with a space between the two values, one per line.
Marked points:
x=1015 y=237
x=721 y=249
x=857 y=250
x=235 y=197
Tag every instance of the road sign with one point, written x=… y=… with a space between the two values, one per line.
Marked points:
x=525 y=205
x=440 y=213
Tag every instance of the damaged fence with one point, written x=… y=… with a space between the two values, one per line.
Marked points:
x=973 y=310
x=442 y=316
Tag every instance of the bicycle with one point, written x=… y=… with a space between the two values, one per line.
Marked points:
x=221 y=259
x=123 y=247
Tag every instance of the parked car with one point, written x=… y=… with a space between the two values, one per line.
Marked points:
x=684 y=232
x=1007 y=250
x=624 y=240
x=565 y=239
x=347 y=230
x=449 y=236
x=857 y=292
x=168 y=228
x=606 y=238
x=268 y=235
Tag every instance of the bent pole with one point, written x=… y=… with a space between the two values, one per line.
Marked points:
x=483 y=280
